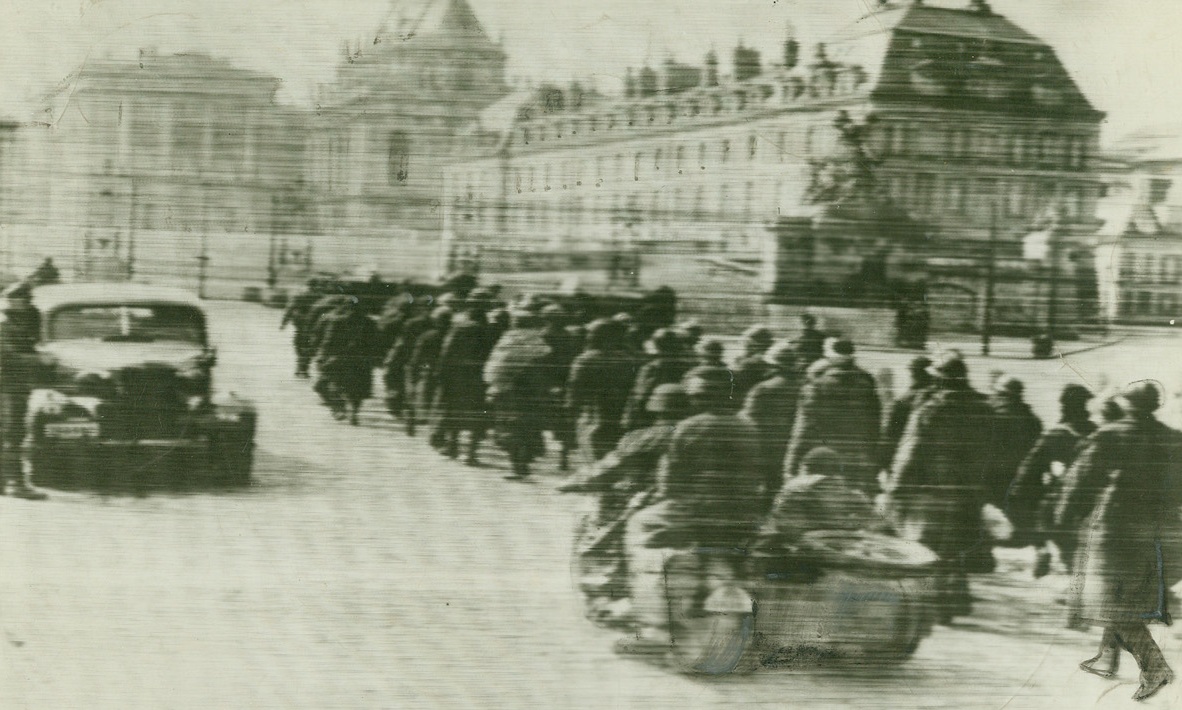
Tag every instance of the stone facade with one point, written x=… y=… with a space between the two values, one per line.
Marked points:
x=1139 y=253
x=162 y=166
x=403 y=105
x=186 y=168
x=974 y=127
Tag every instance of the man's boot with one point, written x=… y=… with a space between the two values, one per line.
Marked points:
x=1107 y=661
x=14 y=473
x=473 y=447
x=520 y=468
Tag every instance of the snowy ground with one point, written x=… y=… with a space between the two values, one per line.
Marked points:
x=361 y=571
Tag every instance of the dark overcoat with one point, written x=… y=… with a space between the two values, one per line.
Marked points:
x=940 y=469
x=709 y=487
x=517 y=391
x=654 y=373
x=838 y=408
x=598 y=389
x=347 y=355
x=771 y=407
x=1015 y=431
x=1032 y=496
x=747 y=372
x=1123 y=487
x=459 y=394
x=896 y=422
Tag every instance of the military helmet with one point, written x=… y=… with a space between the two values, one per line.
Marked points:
x=1142 y=397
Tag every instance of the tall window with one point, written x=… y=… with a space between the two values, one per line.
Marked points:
x=752 y=146
x=925 y=190
x=956 y=196
x=899 y=139
x=399 y=158
x=1016 y=198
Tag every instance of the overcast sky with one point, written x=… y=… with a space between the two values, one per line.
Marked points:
x=1124 y=53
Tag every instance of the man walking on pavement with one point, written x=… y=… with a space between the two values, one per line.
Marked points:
x=1124 y=486
x=298 y=314
x=938 y=480
x=19 y=371
x=601 y=379
x=771 y=407
x=459 y=396
x=838 y=408
x=751 y=368
x=810 y=345
x=1035 y=490
x=1016 y=429
x=901 y=408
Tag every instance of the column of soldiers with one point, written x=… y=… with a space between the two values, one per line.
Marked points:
x=690 y=450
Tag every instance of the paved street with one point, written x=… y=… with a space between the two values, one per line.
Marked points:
x=361 y=571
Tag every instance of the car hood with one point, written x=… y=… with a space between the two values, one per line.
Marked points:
x=98 y=357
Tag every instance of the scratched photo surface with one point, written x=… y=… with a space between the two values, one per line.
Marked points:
x=546 y=354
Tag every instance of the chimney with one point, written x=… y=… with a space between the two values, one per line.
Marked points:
x=711 y=68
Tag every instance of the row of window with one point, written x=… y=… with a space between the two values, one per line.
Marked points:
x=1151 y=268
x=922 y=194
x=929 y=194
x=1052 y=150
x=732 y=100
x=661 y=162
x=1063 y=151
x=742 y=202
x=1148 y=303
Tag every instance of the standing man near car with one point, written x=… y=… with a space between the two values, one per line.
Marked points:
x=19 y=366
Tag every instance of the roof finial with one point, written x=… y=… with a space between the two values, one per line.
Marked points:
x=981 y=6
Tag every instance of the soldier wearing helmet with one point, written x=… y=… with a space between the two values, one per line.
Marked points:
x=1123 y=490
x=1030 y=500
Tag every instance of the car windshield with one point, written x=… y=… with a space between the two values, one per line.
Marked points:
x=120 y=323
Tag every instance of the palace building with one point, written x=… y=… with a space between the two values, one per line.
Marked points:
x=972 y=126
x=186 y=166
x=403 y=104
x=148 y=165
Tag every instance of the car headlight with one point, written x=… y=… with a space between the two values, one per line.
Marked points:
x=228 y=415
x=48 y=402
x=52 y=403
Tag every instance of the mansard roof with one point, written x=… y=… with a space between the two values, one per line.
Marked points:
x=959 y=58
x=182 y=72
x=444 y=19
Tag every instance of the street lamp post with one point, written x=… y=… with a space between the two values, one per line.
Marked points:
x=1053 y=290
x=990 y=283
x=131 y=230
x=203 y=256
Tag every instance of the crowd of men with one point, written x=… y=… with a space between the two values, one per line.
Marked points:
x=689 y=450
